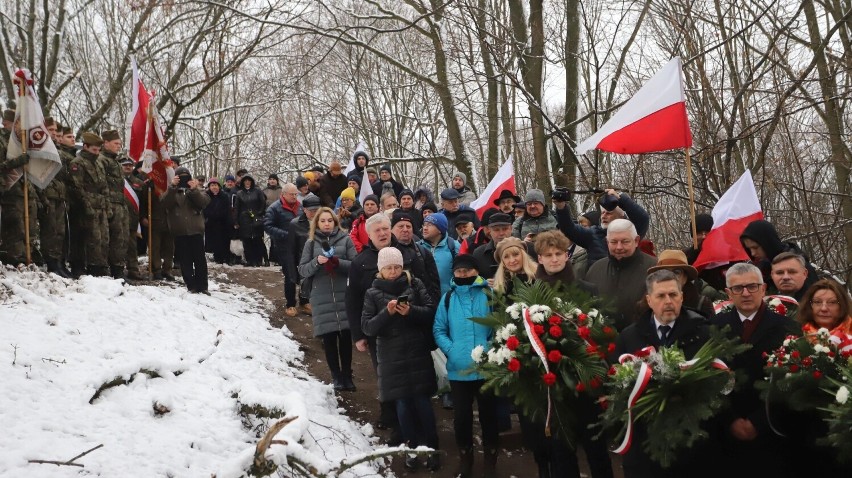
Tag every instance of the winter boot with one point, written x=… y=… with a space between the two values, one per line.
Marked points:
x=337 y=381
x=77 y=270
x=54 y=267
x=465 y=469
x=65 y=270
x=117 y=272
x=348 y=384
x=433 y=463
x=489 y=469
x=411 y=462
x=135 y=275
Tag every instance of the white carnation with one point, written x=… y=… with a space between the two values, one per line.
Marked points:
x=503 y=333
x=476 y=353
x=775 y=302
x=842 y=395
x=821 y=349
x=823 y=332
x=592 y=313
x=786 y=342
x=515 y=310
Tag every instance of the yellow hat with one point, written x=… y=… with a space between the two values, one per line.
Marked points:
x=309 y=175
x=348 y=193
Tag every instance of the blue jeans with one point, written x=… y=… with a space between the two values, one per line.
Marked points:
x=417 y=421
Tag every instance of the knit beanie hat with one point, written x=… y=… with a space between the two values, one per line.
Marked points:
x=348 y=193
x=429 y=206
x=372 y=197
x=459 y=174
x=438 y=220
x=389 y=256
x=301 y=182
x=506 y=244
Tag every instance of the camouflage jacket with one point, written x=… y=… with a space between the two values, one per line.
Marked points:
x=88 y=181
x=114 y=176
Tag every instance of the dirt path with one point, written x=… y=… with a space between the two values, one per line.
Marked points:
x=362 y=405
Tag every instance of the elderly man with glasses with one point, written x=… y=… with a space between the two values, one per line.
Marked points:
x=750 y=444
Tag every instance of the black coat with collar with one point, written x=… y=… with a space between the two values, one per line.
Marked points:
x=768 y=336
x=689 y=334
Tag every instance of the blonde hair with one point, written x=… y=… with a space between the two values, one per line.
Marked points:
x=315 y=221
x=503 y=276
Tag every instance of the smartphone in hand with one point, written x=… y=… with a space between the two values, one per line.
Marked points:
x=403 y=299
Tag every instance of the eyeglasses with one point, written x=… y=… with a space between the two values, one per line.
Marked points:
x=828 y=303
x=738 y=289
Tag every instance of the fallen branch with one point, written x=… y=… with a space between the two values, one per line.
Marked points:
x=68 y=462
x=122 y=381
x=262 y=466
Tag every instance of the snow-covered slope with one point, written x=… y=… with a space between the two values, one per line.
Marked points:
x=199 y=357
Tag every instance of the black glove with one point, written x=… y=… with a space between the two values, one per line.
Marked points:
x=560 y=194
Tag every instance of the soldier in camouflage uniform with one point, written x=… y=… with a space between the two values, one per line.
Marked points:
x=88 y=189
x=133 y=213
x=66 y=144
x=12 y=235
x=117 y=212
x=52 y=215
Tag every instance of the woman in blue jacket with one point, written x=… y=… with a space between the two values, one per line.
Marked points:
x=457 y=336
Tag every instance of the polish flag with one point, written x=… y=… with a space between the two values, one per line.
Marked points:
x=146 y=141
x=653 y=120
x=504 y=179
x=736 y=208
x=131 y=196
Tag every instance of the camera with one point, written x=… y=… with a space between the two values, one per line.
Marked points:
x=184 y=181
x=560 y=194
x=608 y=202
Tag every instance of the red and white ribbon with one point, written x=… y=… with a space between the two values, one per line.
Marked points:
x=538 y=346
x=638 y=389
x=716 y=363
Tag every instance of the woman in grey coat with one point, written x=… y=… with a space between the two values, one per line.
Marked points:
x=325 y=265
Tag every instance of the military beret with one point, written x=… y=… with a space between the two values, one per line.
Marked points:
x=49 y=121
x=110 y=135
x=92 y=139
x=8 y=115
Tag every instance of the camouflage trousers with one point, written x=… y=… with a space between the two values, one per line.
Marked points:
x=162 y=251
x=89 y=232
x=52 y=229
x=131 y=256
x=12 y=234
x=116 y=246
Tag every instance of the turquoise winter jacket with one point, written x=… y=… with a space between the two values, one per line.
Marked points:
x=444 y=253
x=457 y=335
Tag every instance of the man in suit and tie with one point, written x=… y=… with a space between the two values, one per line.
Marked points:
x=751 y=445
x=667 y=324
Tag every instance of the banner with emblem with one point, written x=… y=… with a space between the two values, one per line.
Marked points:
x=146 y=141
x=44 y=161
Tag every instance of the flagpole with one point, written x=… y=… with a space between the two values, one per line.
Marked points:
x=150 y=237
x=23 y=92
x=691 y=199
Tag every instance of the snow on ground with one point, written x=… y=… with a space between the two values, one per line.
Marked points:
x=63 y=339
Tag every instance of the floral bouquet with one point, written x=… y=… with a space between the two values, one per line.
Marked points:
x=780 y=304
x=839 y=409
x=545 y=352
x=800 y=368
x=668 y=396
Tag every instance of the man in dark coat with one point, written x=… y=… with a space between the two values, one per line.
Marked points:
x=385 y=177
x=184 y=202
x=620 y=276
x=332 y=184
x=250 y=206
x=499 y=228
x=762 y=243
x=451 y=208
x=276 y=222
x=593 y=239
x=416 y=258
x=750 y=445
x=667 y=324
x=294 y=242
x=217 y=222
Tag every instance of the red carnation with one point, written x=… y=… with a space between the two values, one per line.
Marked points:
x=592 y=349
x=807 y=362
x=610 y=348
x=611 y=370
x=554 y=319
x=817 y=374
x=584 y=332
x=795 y=354
x=780 y=309
x=555 y=331
x=794 y=368
x=514 y=365
x=549 y=378
x=608 y=330
x=512 y=343
x=765 y=355
x=603 y=403
x=831 y=354
x=582 y=318
x=642 y=353
x=538 y=329
x=580 y=387
x=554 y=356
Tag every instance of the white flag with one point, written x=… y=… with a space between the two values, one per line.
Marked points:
x=44 y=159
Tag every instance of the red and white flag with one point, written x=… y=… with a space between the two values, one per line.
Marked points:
x=44 y=159
x=653 y=120
x=504 y=179
x=131 y=196
x=362 y=147
x=146 y=141
x=736 y=208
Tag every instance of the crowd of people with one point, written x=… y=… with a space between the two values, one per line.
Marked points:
x=399 y=274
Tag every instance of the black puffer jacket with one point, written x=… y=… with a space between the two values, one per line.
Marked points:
x=217 y=224
x=404 y=343
x=250 y=205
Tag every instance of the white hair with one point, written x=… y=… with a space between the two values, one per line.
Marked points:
x=375 y=219
x=621 y=225
x=741 y=269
